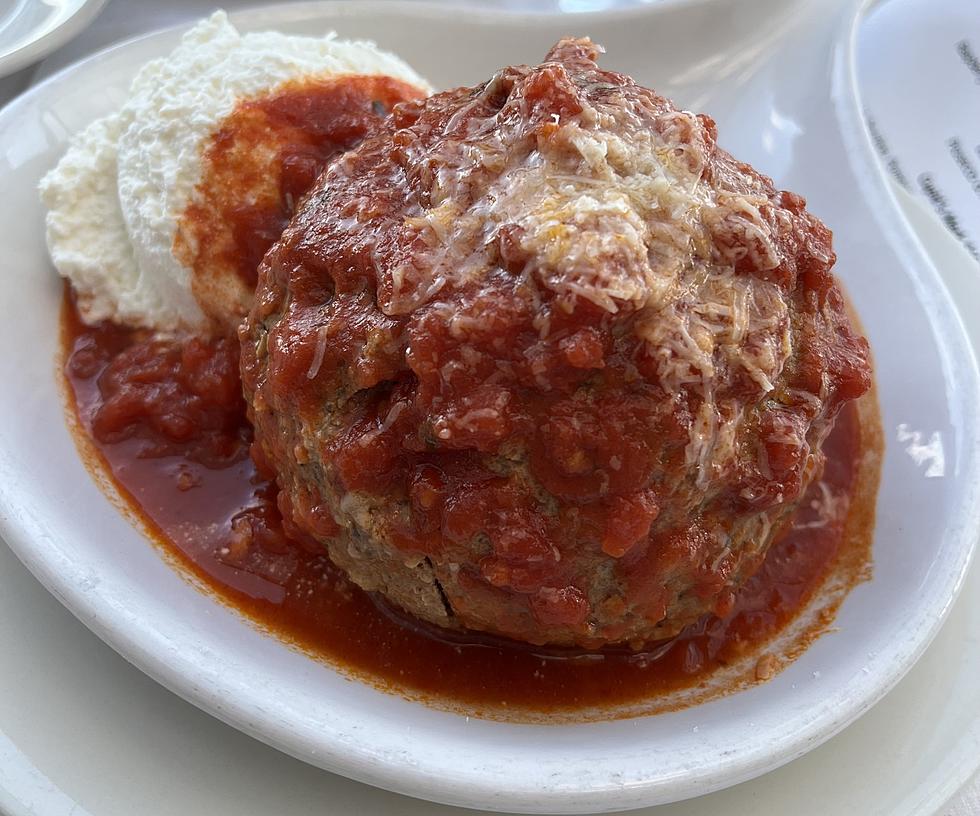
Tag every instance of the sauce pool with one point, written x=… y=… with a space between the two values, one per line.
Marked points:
x=168 y=424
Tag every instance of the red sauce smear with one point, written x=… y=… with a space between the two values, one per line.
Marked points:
x=168 y=423
x=267 y=153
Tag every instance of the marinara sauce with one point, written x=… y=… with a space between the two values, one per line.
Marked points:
x=166 y=420
x=168 y=424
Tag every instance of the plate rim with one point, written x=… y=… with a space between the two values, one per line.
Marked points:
x=31 y=50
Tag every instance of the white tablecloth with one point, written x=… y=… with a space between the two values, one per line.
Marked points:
x=122 y=19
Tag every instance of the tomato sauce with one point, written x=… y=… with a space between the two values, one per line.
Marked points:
x=167 y=422
x=255 y=170
x=520 y=416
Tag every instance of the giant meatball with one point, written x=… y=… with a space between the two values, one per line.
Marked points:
x=541 y=359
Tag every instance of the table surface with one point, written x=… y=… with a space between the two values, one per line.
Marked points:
x=122 y=19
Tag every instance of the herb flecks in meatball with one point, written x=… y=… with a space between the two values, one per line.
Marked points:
x=541 y=359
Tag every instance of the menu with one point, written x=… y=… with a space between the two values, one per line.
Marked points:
x=919 y=73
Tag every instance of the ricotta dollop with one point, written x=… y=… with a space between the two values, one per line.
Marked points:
x=116 y=197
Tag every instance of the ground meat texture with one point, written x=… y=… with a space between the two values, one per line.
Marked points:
x=539 y=358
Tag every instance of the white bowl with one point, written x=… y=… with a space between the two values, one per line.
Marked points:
x=30 y=30
x=779 y=79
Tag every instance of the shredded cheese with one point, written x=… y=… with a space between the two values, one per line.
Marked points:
x=614 y=205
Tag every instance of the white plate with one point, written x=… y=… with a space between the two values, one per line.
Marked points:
x=147 y=752
x=801 y=125
x=31 y=29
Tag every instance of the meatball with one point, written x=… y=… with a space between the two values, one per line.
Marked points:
x=540 y=359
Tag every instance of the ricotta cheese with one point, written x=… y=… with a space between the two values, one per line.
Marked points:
x=115 y=198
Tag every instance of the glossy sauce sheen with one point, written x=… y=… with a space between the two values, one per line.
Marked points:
x=169 y=423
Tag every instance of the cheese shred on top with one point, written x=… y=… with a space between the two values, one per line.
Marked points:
x=609 y=209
